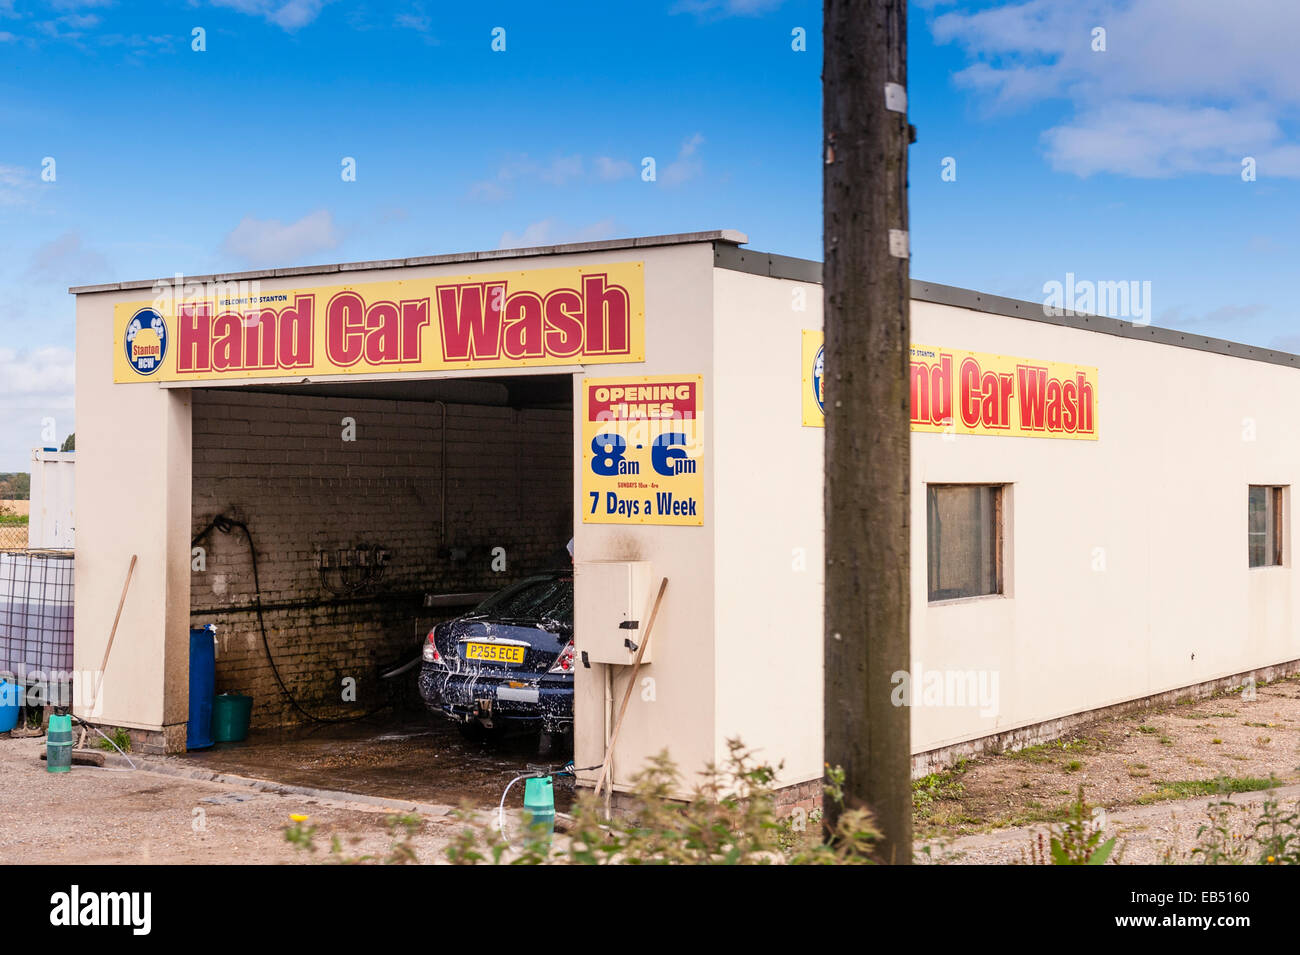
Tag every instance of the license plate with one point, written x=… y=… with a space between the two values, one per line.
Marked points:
x=495 y=652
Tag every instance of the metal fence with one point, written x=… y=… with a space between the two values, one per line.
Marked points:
x=13 y=536
x=36 y=590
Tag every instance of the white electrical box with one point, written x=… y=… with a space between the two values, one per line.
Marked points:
x=613 y=608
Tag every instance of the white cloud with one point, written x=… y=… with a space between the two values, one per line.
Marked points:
x=1183 y=86
x=67 y=260
x=272 y=243
x=686 y=166
x=557 y=171
x=1152 y=140
x=17 y=185
x=610 y=169
x=289 y=15
x=716 y=9
x=30 y=378
x=552 y=232
x=34 y=384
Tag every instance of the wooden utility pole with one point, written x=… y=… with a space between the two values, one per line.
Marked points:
x=864 y=82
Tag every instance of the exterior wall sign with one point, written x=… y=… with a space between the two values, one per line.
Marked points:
x=643 y=445
x=965 y=392
x=566 y=316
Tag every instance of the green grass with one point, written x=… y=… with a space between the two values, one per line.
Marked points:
x=1047 y=752
x=1148 y=730
x=928 y=790
x=1220 y=785
x=1033 y=814
x=17 y=519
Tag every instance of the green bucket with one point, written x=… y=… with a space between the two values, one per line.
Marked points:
x=58 y=744
x=230 y=716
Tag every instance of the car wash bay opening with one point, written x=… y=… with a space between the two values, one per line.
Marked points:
x=377 y=509
x=444 y=425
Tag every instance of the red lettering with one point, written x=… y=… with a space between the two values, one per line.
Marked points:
x=524 y=326
x=295 y=335
x=1054 y=409
x=608 y=313
x=1033 y=388
x=415 y=315
x=469 y=317
x=345 y=329
x=259 y=339
x=383 y=334
x=194 y=339
x=970 y=392
x=227 y=347
x=563 y=309
x=920 y=392
x=1086 y=405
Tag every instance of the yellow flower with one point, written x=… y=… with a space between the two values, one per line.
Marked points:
x=297 y=818
x=1271 y=858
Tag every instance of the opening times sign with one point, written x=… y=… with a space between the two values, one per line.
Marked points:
x=643 y=448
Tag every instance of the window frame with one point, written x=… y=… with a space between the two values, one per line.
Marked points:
x=999 y=521
x=1275 y=518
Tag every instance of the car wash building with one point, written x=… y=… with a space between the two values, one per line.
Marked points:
x=1101 y=511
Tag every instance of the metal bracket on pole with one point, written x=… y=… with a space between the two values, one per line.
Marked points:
x=895 y=97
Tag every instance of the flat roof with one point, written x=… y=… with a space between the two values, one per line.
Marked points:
x=716 y=236
x=807 y=270
x=727 y=254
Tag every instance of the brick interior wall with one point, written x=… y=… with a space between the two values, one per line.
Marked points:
x=280 y=464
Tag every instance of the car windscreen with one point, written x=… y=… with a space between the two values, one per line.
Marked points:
x=537 y=598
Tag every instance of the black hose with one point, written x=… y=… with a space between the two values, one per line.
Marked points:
x=226 y=525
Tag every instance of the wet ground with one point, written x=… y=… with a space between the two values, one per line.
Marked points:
x=420 y=760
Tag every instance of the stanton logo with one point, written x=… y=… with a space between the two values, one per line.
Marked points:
x=76 y=908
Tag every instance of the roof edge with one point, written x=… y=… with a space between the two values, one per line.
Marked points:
x=810 y=271
x=725 y=237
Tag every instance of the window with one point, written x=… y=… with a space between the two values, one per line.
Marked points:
x=1264 y=525
x=964 y=540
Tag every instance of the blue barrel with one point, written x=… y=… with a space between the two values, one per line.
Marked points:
x=203 y=686
x=11 y=700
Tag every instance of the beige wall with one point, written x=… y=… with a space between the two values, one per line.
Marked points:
x=132 y=498
x=134 y=489
x=679 y=714
x=768 y=525
x=1160 y=499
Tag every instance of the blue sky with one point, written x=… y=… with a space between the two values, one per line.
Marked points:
x=1114 y=165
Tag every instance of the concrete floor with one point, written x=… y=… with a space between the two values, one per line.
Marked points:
x=421 y=760
x=119 y=816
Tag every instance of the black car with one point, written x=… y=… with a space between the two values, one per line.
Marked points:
x=508 y=662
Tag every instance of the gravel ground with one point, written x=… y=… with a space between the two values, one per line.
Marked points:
x=104 y=816
x=989 y=809
x=1146 y=835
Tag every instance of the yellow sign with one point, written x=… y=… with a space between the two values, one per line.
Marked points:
x=566 y=316
x=643 y=449
x=965 y=392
